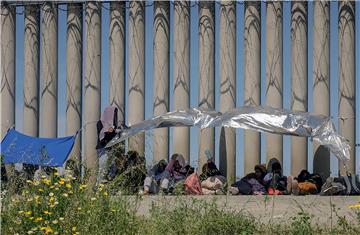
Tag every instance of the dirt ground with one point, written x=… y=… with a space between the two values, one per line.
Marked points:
x=268 y=209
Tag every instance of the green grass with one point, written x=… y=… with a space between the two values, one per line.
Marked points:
x=67 y=206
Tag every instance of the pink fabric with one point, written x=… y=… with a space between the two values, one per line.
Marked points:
x=107 y=120
x=192 y=185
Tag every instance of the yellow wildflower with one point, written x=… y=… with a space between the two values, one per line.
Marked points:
x=46 y=181
x=93 y=198
x=56 y=173
x=354 y=206
x=36 y=183
x=29 y=181
x=28 y=213
x=21 y=212
x=18 y=222
x=56 y=184
x=68 y=185
x=41 y=190
x=31 y=218
x=30 y=199
x=65 y=195
x=51 y=194
x=52 y=186
x=55 y=222
x=82 y=186
x=113 y=210
x=51 y=199
x=61 y=182
x=47 y=213
x=30 y=232
x=73 y=229
x=43 y=177
x=75 y=233
x=61 y=218
x=47 y=229
x=38 y=219
x=79 y=208
x=106 y=194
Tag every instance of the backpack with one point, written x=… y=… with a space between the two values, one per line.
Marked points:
x=243 y=186
x=352 y=184
x=343 y=185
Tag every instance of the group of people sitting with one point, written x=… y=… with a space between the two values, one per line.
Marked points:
x=165 y=177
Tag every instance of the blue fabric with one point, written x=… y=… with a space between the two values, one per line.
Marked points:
x=20 y=148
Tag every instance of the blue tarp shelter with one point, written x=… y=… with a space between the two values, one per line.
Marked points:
x=19 y=148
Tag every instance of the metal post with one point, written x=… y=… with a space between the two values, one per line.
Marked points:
x=137 y=71
x=207 y=74
x=274 y=73
x=182 y=73
x=252 y=80
x=228 y=85
x=161 y=34
x=74 y=75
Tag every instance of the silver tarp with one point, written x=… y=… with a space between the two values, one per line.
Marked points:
x=263 y=119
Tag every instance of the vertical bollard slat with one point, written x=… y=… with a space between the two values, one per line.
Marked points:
x=206 y=74
x=92 y=85
x=7 y=70
x=347 y=83
x=299 y=80
x=136 y=109
x=117 y=57
x=274 y=73
x=49 y=102
x=161 y=76
x=252 y=80
x=8 y=45
x=182 y=73
x=227 y=146
x=74 y=75
x=31 y=69
x=321 y=78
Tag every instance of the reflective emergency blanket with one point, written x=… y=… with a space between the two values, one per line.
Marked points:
x=263 y=119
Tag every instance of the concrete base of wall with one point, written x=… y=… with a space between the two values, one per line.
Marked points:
x=325 y=211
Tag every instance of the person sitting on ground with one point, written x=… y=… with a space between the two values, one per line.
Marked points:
x=212 y=181
x=256 y=180
x=275 y=182
x=175 y=173
x=251 y=184
x=306 y=183
x=153 y=179
x=71 y=169
x=44 y=172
